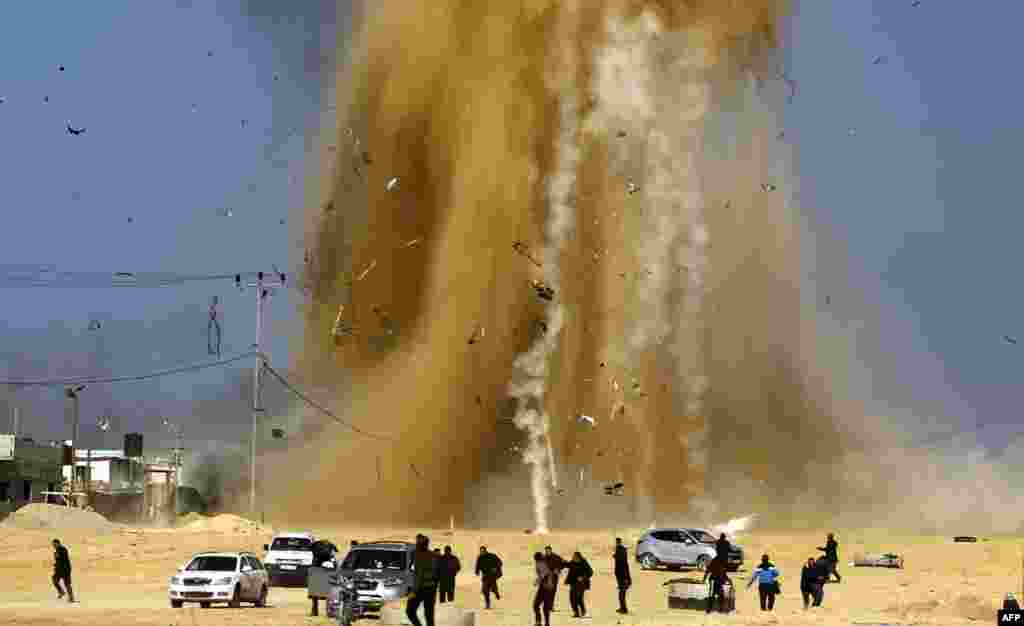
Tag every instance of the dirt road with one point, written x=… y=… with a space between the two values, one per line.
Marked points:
x=122 y=579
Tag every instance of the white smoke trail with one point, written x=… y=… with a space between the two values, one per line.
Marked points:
x=654 y=85
x=735 y=527
x=532 y=367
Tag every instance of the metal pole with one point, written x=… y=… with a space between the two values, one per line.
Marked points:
x=16 y=422
x=74 y=440
x=256 y=393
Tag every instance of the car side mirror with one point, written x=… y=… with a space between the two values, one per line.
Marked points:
x=246 y=568
x=266 y=547
x=181 y=568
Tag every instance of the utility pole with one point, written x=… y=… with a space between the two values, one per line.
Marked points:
x=264 y=287
x=72 y=392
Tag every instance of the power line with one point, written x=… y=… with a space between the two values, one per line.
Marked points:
x=22 y=276
x=281 y=379
x=56 y=382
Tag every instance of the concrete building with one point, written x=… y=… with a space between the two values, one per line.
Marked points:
x=27 y=468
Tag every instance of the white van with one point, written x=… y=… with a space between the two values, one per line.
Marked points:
x=288 y=559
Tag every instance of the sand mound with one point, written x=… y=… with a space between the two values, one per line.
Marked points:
x=974 y=607
x=226 y=523
x=186 y=520
x=54 y=517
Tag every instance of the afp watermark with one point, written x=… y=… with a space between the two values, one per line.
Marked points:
x=1011 y=616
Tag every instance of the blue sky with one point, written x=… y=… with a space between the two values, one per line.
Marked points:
x=919 y=201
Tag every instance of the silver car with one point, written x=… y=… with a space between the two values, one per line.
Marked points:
x=380 y=572
x=681 y=547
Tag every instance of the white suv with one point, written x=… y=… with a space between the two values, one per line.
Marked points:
x=218 y=577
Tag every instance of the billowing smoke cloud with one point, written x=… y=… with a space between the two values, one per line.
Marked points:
x=677 y=322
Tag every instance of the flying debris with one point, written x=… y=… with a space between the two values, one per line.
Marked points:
x=209 y=53
x=385 y=320
x=213 y=329
x=277 y=433
x=478 y=334
x=244 y=122
x=781 y=135
x=544 y=292
x=281 y=221
x=828 y=299
x=131 y=219
x=523 y=250
x=366 y=271
x=1010 y=340
x=341 y=329
x=915 y=3
x=329 y=207
x=879 y=60
x=411 y=243
x=768 y=187
x=789 y=83
x=852 y=132
x=74 y=131
x=60 y=68
x=103 y=423
x=392 y=184
x=46 y=98
x=585 y=419
x=2 y=99
x=123 y=275
x=614 y=490
x=225 y=212
x=632 y=188
x=620 y=134
x=195 y=108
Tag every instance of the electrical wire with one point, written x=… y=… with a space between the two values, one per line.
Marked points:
x=85 y=380
x=281 y=379
x=46 y=276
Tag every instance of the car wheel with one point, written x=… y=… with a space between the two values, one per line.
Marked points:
x=702 y=561
x=262 y=600
x=648 y=561
x=204 y=605
x=176 y=604
x=236 y=598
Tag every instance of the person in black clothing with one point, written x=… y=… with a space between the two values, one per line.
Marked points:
x=578 y=578
x=62 y=570
x=546 y=585
x=488 y=568
x=722 y=548
x=622 y=576
x=450 y=567
x=831 y=551
x=557 y=564
x=718 y=572
x=812 y=580
x=424 y=591
x=323 y=551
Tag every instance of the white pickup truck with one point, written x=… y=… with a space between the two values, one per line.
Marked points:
x=288 y=559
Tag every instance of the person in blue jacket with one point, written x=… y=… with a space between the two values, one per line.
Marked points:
x=767 y=577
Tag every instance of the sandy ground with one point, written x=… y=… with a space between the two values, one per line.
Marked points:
x=122 y=579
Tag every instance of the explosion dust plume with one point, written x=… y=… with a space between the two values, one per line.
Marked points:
x=500 y=133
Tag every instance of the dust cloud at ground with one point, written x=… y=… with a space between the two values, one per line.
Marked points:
x=673 y=243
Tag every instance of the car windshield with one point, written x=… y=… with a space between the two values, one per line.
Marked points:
x=213 y=564
x=702 y=536
x=374 y=559
x=300 y=544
